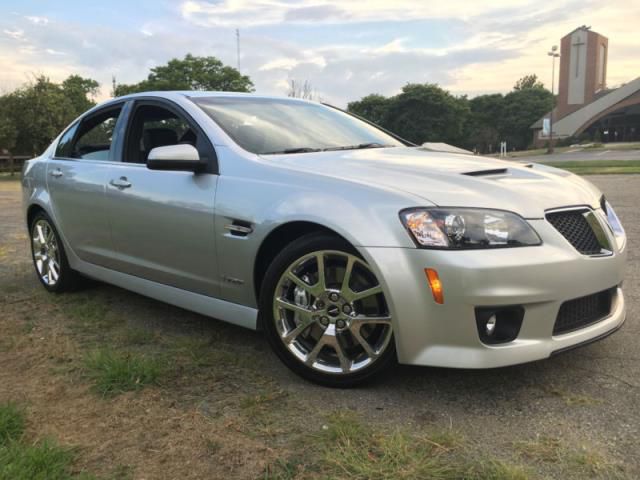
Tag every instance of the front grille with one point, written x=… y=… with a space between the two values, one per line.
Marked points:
x=581 y=312
x=573 y=226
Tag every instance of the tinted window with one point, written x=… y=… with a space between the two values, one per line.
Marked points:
x=64 y=145
x=95 y=136
x=274 y=125
x=154 y=126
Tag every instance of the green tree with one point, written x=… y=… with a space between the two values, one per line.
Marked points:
x=190 y=73
x=483 y=132
x=427 y=113
x=522 y=108
x=80 y=92
x=33 y=115
x=373 y=107
x=8 y=132
x=38 y=112
x=597 y=137
x=528 y=81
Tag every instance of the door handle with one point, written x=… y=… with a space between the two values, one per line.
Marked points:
x=56 y=173
x=120 y=183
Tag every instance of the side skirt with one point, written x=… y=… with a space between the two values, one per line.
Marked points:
x=211 y=307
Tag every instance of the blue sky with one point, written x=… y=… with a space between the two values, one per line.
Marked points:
x=345 y=49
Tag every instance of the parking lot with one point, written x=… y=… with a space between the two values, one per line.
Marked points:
x=226 y=408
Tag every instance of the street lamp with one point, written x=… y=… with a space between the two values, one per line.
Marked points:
x=553 y=54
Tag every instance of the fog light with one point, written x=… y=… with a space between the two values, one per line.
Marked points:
x=490 y=327
x=498 y=325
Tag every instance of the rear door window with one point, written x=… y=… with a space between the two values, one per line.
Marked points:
x=94 y=139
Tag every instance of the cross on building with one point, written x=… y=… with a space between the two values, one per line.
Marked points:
x=577 y=45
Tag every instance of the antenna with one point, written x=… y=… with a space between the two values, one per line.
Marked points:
x=238 y=46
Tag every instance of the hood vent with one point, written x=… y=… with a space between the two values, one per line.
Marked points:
x=486 y=173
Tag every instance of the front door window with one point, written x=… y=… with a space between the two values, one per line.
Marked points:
x=154 y=126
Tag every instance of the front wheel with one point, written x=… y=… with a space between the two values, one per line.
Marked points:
x=325 y=314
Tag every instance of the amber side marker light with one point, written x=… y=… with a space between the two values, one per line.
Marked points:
x=435 y=284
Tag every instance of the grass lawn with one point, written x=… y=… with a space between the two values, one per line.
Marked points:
x=349 y=448
x=533 y=152
x=6 y=177
x=596 y=167
x=592 y=147
x=24 y=460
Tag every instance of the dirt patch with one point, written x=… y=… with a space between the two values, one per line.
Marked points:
x=160 y=432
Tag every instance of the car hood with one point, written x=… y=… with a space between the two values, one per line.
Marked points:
x=447 y=179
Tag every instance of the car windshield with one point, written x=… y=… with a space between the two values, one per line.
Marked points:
x=276 y=126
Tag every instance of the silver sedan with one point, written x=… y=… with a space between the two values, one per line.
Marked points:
x=347 y=246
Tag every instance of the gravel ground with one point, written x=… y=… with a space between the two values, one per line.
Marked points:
x=586 y=396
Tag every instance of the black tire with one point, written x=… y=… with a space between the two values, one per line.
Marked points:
x=68 y=279
x=296 y=250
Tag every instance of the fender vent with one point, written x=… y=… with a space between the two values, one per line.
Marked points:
x=239 y=228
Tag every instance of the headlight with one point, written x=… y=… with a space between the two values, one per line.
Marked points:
x=465 y=228
x=614 y=223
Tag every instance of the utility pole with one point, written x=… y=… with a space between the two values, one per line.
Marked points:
x=238 y=46
x=553 y=54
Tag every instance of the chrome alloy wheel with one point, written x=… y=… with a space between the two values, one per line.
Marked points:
x=330 y=312
x=46 y=254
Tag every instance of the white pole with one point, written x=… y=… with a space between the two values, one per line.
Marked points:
x=238 y=46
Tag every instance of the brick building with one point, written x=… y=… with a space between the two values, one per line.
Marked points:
x=585 y=107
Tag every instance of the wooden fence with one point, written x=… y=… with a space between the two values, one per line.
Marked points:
x=12 y=165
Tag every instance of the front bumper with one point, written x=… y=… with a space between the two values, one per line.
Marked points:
x=539 y=279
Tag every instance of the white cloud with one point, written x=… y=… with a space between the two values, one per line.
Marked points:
x=490 y=45
x=393 y=46
x=266 y=12
x=51 y=51
x=37 y=20
x=16 y=34
x=282 y=63
x=147 y=29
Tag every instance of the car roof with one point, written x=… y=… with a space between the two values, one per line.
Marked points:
x=192 y=94
x=209 y=94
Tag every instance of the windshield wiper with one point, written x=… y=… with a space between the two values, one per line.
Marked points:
x=294 y=150
x=358 y=147
x=328 y=149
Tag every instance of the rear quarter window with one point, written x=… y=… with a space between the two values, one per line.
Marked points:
x=63 y=148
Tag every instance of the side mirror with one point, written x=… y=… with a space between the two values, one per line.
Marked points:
x=182 y=157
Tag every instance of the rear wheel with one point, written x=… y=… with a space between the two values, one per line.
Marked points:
x=325 y=314
x=49 y=257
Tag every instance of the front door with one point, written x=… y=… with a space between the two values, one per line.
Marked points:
x=162 y=222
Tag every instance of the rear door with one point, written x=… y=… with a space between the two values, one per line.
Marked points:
x=162 y=222
x=76 y=179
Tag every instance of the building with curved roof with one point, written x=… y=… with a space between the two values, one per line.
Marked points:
x=585 y=107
